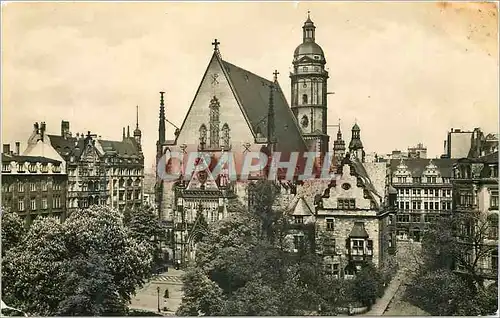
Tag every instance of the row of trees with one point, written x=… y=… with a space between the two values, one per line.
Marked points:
x=89 y=265
x=441 y=290
x=243 y=267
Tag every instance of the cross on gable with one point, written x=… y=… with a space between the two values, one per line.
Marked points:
x=216 y=43
x=276 y=73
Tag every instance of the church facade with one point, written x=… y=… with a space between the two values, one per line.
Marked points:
x=237 y=111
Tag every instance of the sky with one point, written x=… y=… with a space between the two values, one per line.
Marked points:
x=405 y=72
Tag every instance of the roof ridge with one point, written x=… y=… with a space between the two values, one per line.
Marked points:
x=260 y=77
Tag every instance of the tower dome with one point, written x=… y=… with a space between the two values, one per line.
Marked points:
x=309 y=47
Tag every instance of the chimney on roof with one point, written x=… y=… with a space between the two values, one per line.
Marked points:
x=65 y=133
x=128 y=131
x=18 y=146
x=124 y=133
x=42 y=130
x=6 y=149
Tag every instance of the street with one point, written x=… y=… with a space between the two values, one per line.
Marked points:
x=147 y=297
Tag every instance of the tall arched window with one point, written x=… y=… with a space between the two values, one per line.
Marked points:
x=304 y=99
x=214 y=122
x=203 y=135
x=225 y=136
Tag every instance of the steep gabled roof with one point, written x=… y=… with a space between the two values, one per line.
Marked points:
x=253 y=93
x=301 y=208
x=73 y=146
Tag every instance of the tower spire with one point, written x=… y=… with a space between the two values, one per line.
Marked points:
x=161 y=124
x=270 y=118
x=137 y=131
x=137 y=117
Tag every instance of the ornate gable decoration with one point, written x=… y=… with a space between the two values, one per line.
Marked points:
x=90 y=153
x=431 y=170
x=402 y=170
x=352 y=183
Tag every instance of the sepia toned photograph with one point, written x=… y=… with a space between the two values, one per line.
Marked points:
x=226 y=158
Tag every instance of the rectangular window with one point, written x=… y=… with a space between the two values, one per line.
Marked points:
x=346 y=203
x=494 y=200
x=32 y=187
x=414 y=205
x=336 y=270
x=443 y=205
x=493 y=229
x=448 y=205
x=417 y=180
x=414 y=191
x=407 y=205
x=44 y=203
x=20 y=187
x=425 y=191
x=298 y=242
x=494 y=260
x=329 y=225
x=20 y=204
x=415 y=218
x=419 y=205
x=426 y=206
x=408 y=191
x=33 y=204
x=5 y=167
x=20 y=167
x=44 y=185
x=431 y=205
x=431 y=191
x=369 y=247
x=357 y=247
x=403 y=218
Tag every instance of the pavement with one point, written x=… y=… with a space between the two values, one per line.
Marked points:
x=382 y=303
x=146 y=298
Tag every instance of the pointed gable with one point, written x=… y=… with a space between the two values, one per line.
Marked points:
x=301 y=208
x=244 y=103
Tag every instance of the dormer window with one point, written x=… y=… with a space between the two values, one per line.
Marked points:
x=32 y=167
x=56 y=168
x=5 y=167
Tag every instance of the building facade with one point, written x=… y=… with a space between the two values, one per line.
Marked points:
x=99 y=171
x=33 y=186
x=475 y=187
x=350 y=214
x=424 y=192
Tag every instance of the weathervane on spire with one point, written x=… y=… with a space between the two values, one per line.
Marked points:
x=308 y=14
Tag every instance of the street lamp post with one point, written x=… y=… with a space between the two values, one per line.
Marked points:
x=158 y=291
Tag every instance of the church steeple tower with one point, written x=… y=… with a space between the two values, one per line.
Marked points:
x=339 y=147
x=356 y=146
x=137 y=131
x=309 y=88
